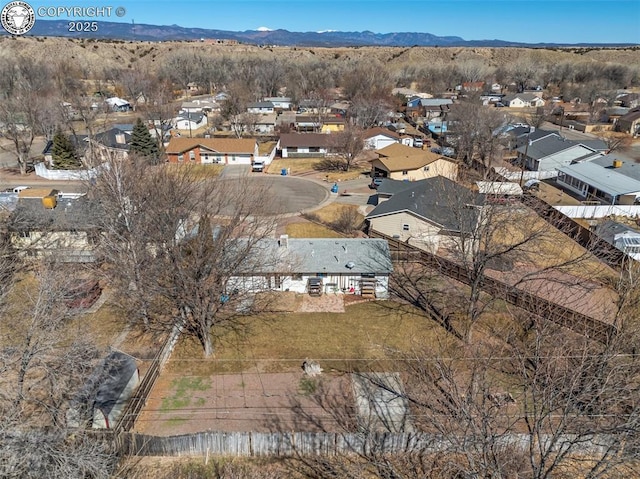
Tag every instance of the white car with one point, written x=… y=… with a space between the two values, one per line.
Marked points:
x=18 y=189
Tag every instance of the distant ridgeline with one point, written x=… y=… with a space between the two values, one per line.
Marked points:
x=143 y=32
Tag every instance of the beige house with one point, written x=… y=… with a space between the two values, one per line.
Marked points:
x=46 y=223
x=405 y=163
x=431 y=214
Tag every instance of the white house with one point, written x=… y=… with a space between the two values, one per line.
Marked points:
x=261 y=107
x=352 y=265
x=190 y=121
x=523 y=100
x=265 y=123
x=279 y=102
x=299 y=145
x=118 y=104
x=377 y=138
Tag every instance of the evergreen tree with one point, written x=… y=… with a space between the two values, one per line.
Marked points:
x=142 y=143
x=64 y=154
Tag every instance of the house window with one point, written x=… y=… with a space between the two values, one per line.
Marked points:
x=314 y=149
x=405 y=172
x=181 y=157
x=405 y=227
x=192 y=155
x=426 y=168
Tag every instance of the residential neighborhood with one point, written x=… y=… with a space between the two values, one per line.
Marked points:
x=341 y=267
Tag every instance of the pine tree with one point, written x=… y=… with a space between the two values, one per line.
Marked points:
x=142 y=143
x=64 y=154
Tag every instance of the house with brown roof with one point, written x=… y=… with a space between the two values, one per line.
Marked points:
x=228 y=151
x=401 y=162
x=630 y=123
x=304 y=145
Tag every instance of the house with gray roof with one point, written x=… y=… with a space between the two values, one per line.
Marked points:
x=428 y=107
x=606 y=179
x=45 y=223
x=552 y=152
x=261 y=107
x=621 y=236
x=630 y=123
x=430 y=213
x=342 y=265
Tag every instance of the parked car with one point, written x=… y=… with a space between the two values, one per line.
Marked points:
x=418 y=143
x=258 y=166
x=18 y=189
x=82 y=294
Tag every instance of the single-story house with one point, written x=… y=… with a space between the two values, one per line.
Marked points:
x=261 y=107
x=200 y=105
x=377 y=138
x=265 y=124
x=630 y=123
x=279 y=102
x=621 y=236
x=112 y=143
x=401 y=162
x=353 y=265
x=332 y=124
x=430 y=213
x=552 y=152
x=118 y=104
x=300 y=145
x=105 y=394
x=307 y=124
x=523 y=100
x=428 y=107
x=190 y=121
x=606 y=179
x=46 y=223
x=229 y=151
x=314 y=106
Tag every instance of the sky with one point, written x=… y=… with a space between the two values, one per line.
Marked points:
x=555 y=21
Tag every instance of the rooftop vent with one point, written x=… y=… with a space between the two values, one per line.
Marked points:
x=350 y=265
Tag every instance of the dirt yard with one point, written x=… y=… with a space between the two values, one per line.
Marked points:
x=248 y=401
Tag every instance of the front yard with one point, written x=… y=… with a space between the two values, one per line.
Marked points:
x=315 y=167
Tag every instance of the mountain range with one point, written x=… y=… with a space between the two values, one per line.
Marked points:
x=144 y=32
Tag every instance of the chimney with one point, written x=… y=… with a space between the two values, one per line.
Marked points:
x=283 y=242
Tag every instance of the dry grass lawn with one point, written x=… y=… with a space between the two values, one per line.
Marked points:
x=310 y=230
x=299 y=166
x=332 y=212
x=202 y=171
x=361 y=338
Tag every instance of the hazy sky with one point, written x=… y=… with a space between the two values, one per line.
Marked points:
x=557 y=21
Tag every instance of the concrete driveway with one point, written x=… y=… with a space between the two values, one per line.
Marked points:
x=235 y=171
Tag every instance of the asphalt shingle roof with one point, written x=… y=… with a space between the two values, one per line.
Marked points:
x=438 y=200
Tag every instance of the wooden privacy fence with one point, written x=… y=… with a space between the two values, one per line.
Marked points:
x=281 y=444
x=605 y=252
x=578 y=322
x=134 y=407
